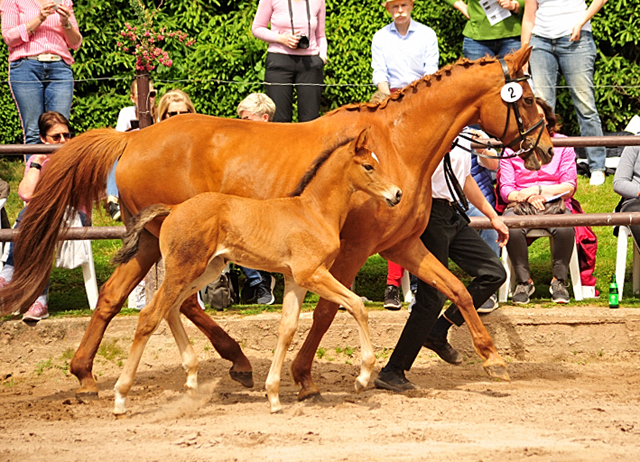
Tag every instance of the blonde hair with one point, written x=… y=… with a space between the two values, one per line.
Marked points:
x=173 y=96
x=258 y=104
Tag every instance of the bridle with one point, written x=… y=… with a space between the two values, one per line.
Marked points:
x=461 y=204
x=512 y=105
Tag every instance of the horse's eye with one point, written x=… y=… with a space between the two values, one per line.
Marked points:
x=368 y=167
x=528 y=101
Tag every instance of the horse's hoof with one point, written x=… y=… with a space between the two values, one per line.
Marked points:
x=499 y=371
x=86 y=397
x=311 y=394
x=244 y=378
x=359 y=387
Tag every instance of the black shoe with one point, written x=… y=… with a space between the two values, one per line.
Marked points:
x=392 y=298
x=264 y=292
x=443 y=349
x=248 y=294
x=114 y=210
x=394 y=381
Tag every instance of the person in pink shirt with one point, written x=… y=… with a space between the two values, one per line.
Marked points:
x=296 y=54
x=518 y=185
x=39 y=34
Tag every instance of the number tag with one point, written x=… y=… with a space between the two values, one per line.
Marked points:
x=511 y=92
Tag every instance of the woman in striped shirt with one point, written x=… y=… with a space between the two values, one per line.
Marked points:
x=39 y=34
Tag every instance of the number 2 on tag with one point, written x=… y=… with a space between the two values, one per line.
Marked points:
x=511 y=92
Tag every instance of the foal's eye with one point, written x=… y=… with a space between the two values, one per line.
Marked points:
x=368 y=167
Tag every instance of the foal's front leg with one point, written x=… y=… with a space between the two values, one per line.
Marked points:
x=326 y=286
x=291 y=303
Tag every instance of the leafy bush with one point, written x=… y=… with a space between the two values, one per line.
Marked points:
x=227 y=62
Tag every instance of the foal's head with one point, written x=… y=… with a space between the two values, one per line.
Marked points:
x=365 y=172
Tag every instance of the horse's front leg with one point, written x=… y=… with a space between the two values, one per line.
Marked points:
x=241 y=370
x=112 y=296
x=329 y=288
x=415 y=258
x=344 y=269
x=291 y=303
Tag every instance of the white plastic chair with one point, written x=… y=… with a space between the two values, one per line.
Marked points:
x=621 y=261
x=510 y=282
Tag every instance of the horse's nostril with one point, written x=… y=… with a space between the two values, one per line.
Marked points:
x=398 y=195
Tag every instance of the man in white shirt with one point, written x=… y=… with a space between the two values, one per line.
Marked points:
x=448 y=235
x=404 y=50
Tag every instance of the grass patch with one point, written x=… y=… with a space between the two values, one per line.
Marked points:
x=110 y=350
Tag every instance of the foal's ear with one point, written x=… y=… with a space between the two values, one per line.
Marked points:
x=362 y=139
x=521 y=57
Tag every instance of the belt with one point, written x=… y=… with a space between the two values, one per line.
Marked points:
x=45 y=58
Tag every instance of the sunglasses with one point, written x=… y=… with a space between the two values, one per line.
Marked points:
x=58 y=136
x=175 y=113
x=152 y=93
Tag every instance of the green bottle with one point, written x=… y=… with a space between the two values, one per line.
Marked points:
x=613 y=293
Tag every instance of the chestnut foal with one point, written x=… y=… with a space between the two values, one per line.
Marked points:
x=298 y=236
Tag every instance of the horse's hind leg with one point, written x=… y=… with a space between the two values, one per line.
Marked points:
x=241 y=370
x=112 y=296
x=292 y=301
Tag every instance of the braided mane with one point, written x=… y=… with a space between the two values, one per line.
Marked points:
x=398 y=95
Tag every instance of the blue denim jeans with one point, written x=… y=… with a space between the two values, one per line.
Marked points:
x=112 y=188
x=476 y=49
x=254 y=277
x=39 y=87
x=576 y=62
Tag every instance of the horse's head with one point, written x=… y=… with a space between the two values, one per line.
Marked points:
x=365 y=172
x=512 y=115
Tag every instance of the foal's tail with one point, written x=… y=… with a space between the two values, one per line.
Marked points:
x=135 y=226
x=75 y=176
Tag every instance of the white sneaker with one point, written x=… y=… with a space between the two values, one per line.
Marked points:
x=597 y=178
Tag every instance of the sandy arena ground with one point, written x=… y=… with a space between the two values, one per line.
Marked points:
x=574 y=395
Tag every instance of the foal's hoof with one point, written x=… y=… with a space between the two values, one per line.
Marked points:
x=86 y=396
x=244 y=378
x=499 y=371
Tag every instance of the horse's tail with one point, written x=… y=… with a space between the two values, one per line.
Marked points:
x=75 y=176
x=135 y=226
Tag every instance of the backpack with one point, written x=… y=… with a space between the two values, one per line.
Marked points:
x=223 y=292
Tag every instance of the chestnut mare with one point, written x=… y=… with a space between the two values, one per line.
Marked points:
x=298 y=236
x=176 y=159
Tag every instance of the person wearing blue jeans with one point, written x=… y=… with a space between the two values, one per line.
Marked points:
x=484 y=37
x=560 y=33
x=39 y=36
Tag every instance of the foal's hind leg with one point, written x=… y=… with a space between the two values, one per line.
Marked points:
x=112 y=296
x=291 y=303
x=148 y=321
x=189 y=358
x=241 y=370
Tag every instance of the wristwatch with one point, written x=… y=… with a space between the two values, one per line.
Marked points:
x=36 y=166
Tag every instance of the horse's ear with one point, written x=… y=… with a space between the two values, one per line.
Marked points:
x=521 y=57
x=362 y=139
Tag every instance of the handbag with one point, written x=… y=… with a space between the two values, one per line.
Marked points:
x=554 y=207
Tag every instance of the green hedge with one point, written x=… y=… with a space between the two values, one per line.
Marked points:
x=227 y=63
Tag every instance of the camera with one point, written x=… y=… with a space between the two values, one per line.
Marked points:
x=303 y=43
